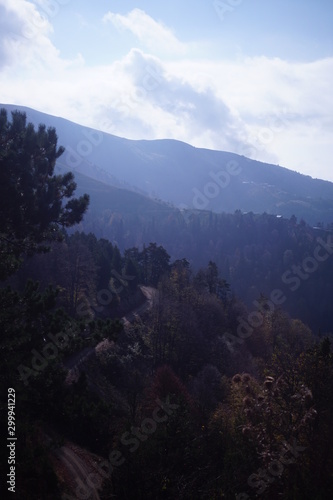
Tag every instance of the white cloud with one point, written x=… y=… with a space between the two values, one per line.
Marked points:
x=259 y=85
x=280 y=103
x=270 y=109
x=153 y=35
x=189 y=112
x=24 y=34
x=25 y=44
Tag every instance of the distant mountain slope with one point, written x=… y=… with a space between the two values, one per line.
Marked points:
x=122 y=216
x=124 y=201
x=189 y=177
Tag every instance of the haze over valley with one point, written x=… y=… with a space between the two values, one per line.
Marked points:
x=166 y=250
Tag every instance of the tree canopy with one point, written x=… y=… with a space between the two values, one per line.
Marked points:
x=35 y=204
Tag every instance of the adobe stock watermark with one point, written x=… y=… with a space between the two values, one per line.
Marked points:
x=50 y=351
x=93 y=138
x=124 y=105
x=226 y=7
x=251 y=148
x=60 y=341
x=47 y=9
x=105 y=296
x=219 y=180
x=261 y=479
x=131 y=439
x=74 y=157
x=257 y=142
x=293 y=277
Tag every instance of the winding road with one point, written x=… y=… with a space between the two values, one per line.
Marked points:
x=70 y=456
x=74 y=361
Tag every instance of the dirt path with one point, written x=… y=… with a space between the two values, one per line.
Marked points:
x=74 y=361
x=75 y=465
x=150 y=294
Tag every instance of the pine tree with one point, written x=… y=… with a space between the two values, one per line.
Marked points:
x=35 y=204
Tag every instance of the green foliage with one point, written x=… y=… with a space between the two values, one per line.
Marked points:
x=252 y=252
x=90 y=380
x=34 y=203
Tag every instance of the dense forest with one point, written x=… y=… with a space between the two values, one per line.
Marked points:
x=255 y=253
x=192 y=363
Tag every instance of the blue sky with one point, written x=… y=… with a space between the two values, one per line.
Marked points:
x=249 y=76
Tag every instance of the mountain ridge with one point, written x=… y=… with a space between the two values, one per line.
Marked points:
x=188 y=177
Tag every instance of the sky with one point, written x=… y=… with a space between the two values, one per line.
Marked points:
x=253 y=77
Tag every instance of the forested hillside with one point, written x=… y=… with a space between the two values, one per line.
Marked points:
x=256 y=253
x=185 y=176
x=187 y=357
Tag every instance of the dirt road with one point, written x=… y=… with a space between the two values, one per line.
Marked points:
x=150 y=294
x=75 y=465
x=79 y=471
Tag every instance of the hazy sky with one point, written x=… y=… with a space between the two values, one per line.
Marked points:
x=250 y=76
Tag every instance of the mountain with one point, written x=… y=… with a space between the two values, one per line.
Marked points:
x=122 y=216
x=188 y=177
